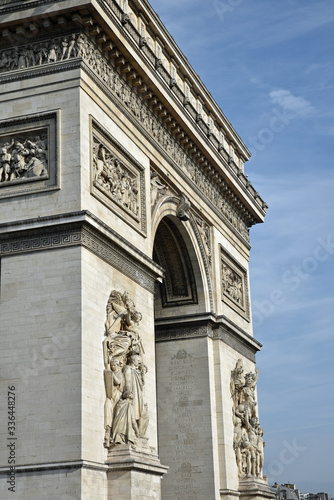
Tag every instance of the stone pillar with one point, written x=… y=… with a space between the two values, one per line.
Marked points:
x=186 y=420
x=134 y=474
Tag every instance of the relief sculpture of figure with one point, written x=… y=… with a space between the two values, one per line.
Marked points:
x=157 y=188
x=126 y=414
x=247 y=442
x=114 y=178
x=22 y=158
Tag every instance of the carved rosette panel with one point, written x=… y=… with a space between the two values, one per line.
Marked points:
x=64 y=48
x=117 y=179
x=125 y=414
x=28 y=155
x=248 y=441
x=234 y=285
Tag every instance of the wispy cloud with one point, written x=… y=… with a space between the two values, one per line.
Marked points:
x=291 y=103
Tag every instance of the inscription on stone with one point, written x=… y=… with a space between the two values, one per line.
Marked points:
x=187 y=475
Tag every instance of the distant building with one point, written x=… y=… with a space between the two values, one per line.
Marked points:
x=290 y=492
x=286 y=492
x=313 y=496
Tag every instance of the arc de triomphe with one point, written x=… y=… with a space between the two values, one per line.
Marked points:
x=128 y=357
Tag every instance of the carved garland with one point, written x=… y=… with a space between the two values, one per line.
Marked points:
x=135 y=99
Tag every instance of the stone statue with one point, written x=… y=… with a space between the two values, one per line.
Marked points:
x=126 y=414
x=247 y=439
x=114 y=383
x=131 y=416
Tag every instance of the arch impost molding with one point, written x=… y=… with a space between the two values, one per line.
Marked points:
x=80 y=229
x=218 y=328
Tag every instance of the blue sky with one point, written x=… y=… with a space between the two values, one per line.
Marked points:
x=269 y=66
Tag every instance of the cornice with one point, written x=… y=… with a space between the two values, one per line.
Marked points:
x=245 y=193
x=183 y=63
x=217 y=328
x=80 y=229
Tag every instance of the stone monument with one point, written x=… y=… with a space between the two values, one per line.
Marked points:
x=128 y=356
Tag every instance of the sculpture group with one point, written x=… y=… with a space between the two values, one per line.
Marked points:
x=125 y=413
x=247 y=440
x=232 y=284
x=114 y=179
x=23 y=158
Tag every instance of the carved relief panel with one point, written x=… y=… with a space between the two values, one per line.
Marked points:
x=234 y=284
x=117 y=178
x=28 y=155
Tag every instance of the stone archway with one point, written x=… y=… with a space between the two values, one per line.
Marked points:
x=181 y=359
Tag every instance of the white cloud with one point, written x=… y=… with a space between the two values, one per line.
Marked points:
x=290 y=103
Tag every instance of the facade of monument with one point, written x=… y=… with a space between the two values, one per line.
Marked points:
x=127 y=348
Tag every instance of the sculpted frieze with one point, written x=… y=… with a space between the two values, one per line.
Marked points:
x=125 y=414
x=113 y=178
x=29 y=154
x=234 y=284
x=133 y=97
x=117 y=179
x=38 y=53
x=248 y=441
x=23 y=157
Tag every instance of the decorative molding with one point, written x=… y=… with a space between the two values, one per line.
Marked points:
x=234 y=284
x=125 y=458
x=143 y=106
x=29 y=157
x=229 y=493
x=75 y=464
x=204 y=232
x=43 y=241
x=178 y=332
x=237 y=342
x=82 y=233
x=117 y=257
x=216 y=328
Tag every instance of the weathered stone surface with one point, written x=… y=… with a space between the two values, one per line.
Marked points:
x=119 y=188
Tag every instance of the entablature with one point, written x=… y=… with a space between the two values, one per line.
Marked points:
x=176 y=125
